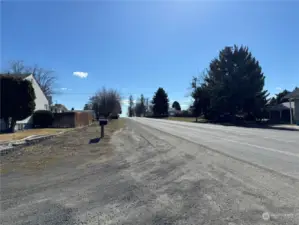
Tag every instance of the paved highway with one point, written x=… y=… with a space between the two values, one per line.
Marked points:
x=277 y=150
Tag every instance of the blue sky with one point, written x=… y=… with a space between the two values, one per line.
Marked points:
x=138 y=46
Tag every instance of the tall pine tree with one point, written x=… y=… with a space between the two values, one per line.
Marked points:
x=235 y=82
x=142 y=105
x=176 y=105
x=160 y=103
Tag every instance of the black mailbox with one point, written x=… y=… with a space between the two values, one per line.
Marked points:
x=103 y=122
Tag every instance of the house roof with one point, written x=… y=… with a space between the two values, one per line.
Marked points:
x=20 y=75
x=281 y=106
x=293 y=95
x=60 y=106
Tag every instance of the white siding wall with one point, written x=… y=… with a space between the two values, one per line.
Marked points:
x=41 y=99
x=41 y=102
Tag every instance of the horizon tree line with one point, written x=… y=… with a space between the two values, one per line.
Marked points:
x=233 y=85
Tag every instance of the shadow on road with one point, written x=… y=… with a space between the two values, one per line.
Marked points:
x=94 y=140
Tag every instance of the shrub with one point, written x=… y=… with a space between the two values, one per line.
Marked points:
x=114 y=117
x=184 y=113
x=42 y=118
x=16 y=99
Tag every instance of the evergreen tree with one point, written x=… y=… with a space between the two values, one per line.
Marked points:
x=235 y=83
x=17 y=99
x=176 y=105
x=280 y=96
x=86 y=107
x=138 y=109
x=160 y=103
x=142 y=105
x=200 y=95
x=131 y=106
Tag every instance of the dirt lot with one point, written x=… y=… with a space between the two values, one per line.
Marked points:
x=139 y=176
x=73 y=147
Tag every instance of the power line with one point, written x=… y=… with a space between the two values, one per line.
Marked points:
x=73 y=93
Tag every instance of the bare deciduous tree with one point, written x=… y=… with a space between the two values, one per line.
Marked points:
x=106 y=102
x=45 y=78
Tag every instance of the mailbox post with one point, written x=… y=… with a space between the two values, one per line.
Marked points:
x=102 y=122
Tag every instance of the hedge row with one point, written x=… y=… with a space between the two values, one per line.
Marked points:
x=42 y=119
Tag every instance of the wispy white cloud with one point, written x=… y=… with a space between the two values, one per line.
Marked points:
x=278 y=88
x=65 y=89
x=80 y=74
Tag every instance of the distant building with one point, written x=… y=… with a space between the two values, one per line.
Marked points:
x=89 y=111
x=174 y=112
x=294 y=112
x=58 y=108
x=281 y=112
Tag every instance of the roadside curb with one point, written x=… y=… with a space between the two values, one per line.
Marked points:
x=9 y=147
x=295 y=128
x=15 y=146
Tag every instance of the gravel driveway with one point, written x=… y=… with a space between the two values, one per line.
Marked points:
x=140 y=176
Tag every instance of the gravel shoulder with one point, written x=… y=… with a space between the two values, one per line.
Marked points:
x=138 y=175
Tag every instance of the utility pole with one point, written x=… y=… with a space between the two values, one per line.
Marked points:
x=291 y=112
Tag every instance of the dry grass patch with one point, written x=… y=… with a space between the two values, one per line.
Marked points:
x=26 y=133
x=71 y=149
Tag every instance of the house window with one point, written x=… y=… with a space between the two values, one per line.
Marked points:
x=20 y=126
x=46 y=106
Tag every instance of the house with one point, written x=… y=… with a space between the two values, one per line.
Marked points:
x=174 y=112
x=281 y=112
x=92 y=112
x=294 y=112
x=58 y=108
x=73 y=118
x=41 y=102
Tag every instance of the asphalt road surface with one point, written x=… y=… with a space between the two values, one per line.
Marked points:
x=277 y=150
x=156 y=172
